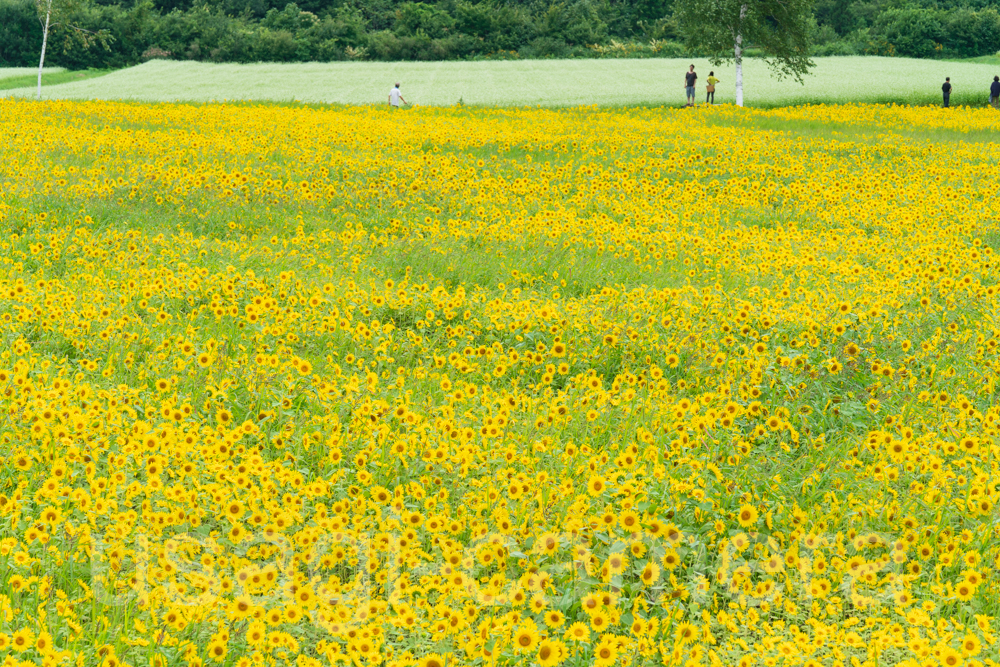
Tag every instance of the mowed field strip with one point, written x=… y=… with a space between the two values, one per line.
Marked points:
x=11 y=72
x=532 y=82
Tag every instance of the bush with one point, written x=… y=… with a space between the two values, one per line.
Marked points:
x=546 y=47
x=155 y=53
x=820 y=35
x=236 y=46
x=414 y=18
x=274 y=46
x=512 y=29
x=915 y=33
x=927 y=33
x=193 y=34
x=653 y=49
x=960 y=33
x=386 y=45
x=840 y=47
x=669 y=49
x=291 y=19
x=968 y=34
x=574 y=25
x=664 y=29
x=345 y=28
x=475 y=20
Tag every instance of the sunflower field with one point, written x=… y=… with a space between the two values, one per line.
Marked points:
x=462 y=386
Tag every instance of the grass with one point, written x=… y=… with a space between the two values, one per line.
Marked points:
x=984 y=60
x=533 y=82
x=18 y=72
x=51 y=77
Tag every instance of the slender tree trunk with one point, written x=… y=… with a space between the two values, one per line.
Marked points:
x=45 y=39
x=738 y=49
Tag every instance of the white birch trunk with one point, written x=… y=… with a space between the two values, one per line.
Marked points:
x=738 y=52
x=45 y=39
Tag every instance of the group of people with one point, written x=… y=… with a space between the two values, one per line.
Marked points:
x=946 y=89
x=691 y=79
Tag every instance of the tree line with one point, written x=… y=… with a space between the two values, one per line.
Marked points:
x=119 y=33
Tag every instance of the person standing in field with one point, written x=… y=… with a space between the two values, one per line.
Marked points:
x=946 y=90
x=995 y=92
x=690 y=79
x=395 y=97
x=710 y=96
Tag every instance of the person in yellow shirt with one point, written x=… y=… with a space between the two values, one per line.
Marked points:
x=710 y=97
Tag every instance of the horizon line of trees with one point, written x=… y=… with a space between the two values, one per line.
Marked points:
x=332 y=30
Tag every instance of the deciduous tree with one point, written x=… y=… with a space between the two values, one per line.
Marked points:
x=56 y=14
x=724 y=28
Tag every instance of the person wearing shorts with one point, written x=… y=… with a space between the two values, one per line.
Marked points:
x=690 y=79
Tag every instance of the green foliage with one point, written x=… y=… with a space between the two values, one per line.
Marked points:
x=577 y=24
x=927 y=33
x=836 y=15
x=417 y=18
x=909 y=32
x=20 y=34
x=331 y=30
x=778 y=28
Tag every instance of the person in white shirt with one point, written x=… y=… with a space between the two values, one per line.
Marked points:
x=395 y=97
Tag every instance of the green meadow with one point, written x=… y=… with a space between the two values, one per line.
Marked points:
x=529 y=82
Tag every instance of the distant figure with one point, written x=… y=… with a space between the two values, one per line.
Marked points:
x=710 y=97
x=995 y=92
x=395 y=97
x=946 y=90
x=690 y=79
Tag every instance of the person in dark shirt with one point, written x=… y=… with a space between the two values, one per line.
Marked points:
x=690 y=78
x=946 y=90
x=995 y=92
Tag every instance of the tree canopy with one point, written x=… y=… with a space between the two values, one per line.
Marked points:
x=779 y=29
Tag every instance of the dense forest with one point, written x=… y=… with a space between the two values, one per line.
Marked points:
x=132 y=31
